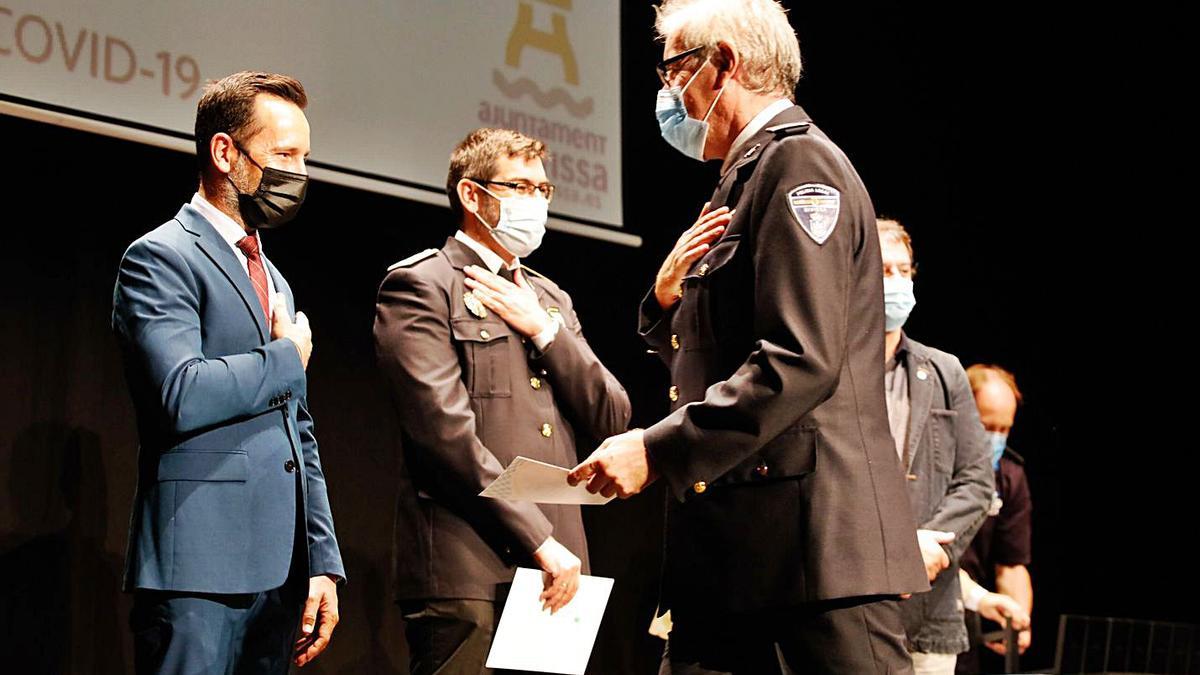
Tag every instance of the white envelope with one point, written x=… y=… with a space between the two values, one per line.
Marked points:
x=530 y=638
x=528 y=480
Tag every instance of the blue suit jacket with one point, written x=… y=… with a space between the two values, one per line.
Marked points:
x=222 y=419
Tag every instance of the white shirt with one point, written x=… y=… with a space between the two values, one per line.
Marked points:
x=232 y=233
x=760 y=120
x=494 y=262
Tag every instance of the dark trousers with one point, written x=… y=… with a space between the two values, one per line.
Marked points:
x=855 y=636
x=230 y=634
x=450 y=636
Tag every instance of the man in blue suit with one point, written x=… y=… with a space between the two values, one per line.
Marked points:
x=231 y=540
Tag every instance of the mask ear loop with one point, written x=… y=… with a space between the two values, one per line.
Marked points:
x=713 y=105
x=488 y=228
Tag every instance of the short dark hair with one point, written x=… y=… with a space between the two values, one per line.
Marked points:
x=227 y=106
x=475 y=157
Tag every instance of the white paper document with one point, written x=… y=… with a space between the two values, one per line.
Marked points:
x=530 y=638
x=528 y=480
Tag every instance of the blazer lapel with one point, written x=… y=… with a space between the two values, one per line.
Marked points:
x=217 y=250
x=920 y=396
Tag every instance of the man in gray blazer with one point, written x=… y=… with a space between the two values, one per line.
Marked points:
x=231 y=543
x=486 y=360
x=944 y=455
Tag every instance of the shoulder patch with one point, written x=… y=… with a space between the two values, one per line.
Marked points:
x=815 y=207
x=415 y=258
x=789 y=128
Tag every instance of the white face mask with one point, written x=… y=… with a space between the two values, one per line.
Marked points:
x=522 y=223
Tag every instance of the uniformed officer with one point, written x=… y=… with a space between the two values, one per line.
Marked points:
x=789 y=531
x=485 y=360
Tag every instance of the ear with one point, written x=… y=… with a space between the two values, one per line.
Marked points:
x=468 y=195
x=726 y=61
x=222 y=152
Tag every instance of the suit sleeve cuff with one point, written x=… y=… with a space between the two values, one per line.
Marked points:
x=669 y=456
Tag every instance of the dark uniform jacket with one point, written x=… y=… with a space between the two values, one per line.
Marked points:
x=778 y=452
x=949 y=472
x=471 y=395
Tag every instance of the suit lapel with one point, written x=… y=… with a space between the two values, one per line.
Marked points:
x=920 y=396
x=217 y=250
x=280 y=286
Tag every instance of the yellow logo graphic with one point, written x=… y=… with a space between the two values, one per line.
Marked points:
x=555 y=42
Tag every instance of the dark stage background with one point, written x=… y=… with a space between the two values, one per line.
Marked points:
x=1034 y=231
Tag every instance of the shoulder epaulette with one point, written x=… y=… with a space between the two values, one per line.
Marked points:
x=789 y=128
x=527 y=268
x=415 y=258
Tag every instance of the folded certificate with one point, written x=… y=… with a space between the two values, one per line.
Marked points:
x=528 y=480
x=531 y=638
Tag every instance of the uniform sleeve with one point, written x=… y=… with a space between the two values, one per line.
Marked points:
x=654 y=325
x=964 y=507
x=156 y=316
x=800 y=297
x=595 y=400
x=414 y=350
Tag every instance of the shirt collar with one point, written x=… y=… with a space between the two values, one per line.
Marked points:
x=489 y=257
x=757 y=123
x=225 y=226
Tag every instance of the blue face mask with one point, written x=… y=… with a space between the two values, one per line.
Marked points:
x=682 y=132
x=898 y=301
x=998 y=442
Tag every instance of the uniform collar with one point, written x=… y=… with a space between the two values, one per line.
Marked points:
x=490 y=258
x=791 y=114
x=757 y=123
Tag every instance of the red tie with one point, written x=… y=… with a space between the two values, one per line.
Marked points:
x=258 y=276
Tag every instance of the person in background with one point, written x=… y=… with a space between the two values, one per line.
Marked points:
x=1000 y=555
x=944 y=457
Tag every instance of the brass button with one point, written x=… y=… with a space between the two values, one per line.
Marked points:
x=674 y=341
x=762 y=469
x=535 y=383
x=703 y=269
x=484 y=334
x=700 y=487
x=547 y=430
x=673 y=393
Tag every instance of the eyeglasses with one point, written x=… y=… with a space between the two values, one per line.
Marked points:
x=522 y=188
x=668 y=68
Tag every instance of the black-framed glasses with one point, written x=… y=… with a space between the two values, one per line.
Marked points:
x=522 y=188
x=667 y=67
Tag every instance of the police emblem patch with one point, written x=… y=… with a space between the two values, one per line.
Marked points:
x=816 y=208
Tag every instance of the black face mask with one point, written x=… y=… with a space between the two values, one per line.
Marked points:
x=277 y=199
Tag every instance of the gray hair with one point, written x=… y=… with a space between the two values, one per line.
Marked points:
x=758 y=30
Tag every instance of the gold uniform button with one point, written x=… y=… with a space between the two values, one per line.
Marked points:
x=484 y=334
x=703 y=269
x=674 y=342
x=547 y=430
x=700 y=487
x=535 y=383
x=673 y=393
x=762 y=469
